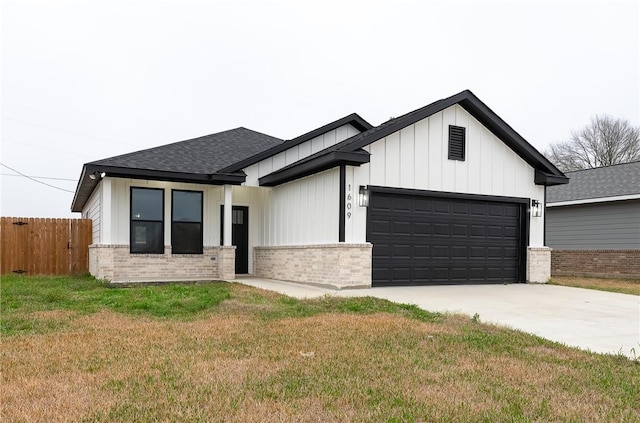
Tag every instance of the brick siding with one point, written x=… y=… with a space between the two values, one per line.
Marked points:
x=335 y=265
x=116 y=264
x=600 y=263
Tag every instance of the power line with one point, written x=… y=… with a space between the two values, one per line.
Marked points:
x=41 y=177
x=66 y=131
x=46 y=148
x=35 y=180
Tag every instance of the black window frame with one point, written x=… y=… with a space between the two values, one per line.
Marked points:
x=174 y=223
x=457 y=142
x=159 y=249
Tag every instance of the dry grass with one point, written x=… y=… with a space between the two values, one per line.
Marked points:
x=624 y=286
x=261 y=357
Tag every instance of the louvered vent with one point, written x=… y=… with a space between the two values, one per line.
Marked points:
x=456 y=142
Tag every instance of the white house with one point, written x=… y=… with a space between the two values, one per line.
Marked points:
x=445 y=194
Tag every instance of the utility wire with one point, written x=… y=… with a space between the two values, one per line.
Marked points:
x=41 y=177
x=66 y=131
x=84 y=157
x=35 y=180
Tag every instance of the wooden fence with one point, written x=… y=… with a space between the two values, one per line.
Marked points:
x=37 y=246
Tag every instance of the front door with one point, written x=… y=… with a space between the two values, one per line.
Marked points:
x=239 y=235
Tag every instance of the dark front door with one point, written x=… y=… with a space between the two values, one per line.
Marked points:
x=427 y=240
x=239 y=235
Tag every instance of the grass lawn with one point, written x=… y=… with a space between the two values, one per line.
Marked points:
x=75 y=350
x=623 y=286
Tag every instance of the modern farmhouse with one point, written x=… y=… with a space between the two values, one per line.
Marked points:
x=446 y=194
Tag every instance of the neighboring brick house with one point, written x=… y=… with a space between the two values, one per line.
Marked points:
x=593 y=223
x=440 y=195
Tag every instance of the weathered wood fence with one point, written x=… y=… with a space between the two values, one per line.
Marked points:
x=39 y=246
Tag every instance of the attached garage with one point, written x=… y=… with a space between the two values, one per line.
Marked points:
x=428 y=238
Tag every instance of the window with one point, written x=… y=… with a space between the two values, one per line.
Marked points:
x=147 y=220
x=457 y=135
x=186 y=222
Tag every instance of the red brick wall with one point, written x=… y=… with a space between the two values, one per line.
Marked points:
x=607 y=263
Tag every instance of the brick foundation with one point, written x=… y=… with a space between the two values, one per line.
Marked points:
x=116 y=264
x=538 y=264
x=334 y=265
x=598 y=263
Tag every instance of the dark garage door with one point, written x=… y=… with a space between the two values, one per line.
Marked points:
x=430 y=240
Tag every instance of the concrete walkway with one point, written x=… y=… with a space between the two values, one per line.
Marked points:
x=598 y=321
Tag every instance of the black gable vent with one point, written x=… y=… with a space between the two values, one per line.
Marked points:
x=457 y=136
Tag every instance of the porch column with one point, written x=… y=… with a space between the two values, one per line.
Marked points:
x=227 y=214
x=105 y=213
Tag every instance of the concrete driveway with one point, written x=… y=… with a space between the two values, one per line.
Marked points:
x=601 y=322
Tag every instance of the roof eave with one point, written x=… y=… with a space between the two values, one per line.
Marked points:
x=86 y=184
x=313 y=166
x=546 y=179
x=353 y=119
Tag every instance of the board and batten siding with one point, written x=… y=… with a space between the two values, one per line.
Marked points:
x=304 y=211
x=93 y=210
x=601 y=226
x=297 y=152
x=416 y=157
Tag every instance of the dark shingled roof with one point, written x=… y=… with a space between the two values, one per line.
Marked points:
x=203 y=155
x=602 y=182
x=198 y=160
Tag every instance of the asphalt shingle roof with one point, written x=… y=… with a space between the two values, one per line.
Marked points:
x=203 y=155
x=602 y=182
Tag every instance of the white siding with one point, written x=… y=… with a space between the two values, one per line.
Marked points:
x=297 y=152
x=417 y=158
x=304 y=211
x=93 y=210
x=213 y=198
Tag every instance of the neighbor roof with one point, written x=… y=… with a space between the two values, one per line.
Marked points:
x=600 y=183
x=545 y=172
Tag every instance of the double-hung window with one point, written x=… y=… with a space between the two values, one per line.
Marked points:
x=147 y=220
x=186 y=222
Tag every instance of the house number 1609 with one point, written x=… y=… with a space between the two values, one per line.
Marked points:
x=349 y=201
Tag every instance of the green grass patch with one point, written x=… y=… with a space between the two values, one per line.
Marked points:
x=23 y=296
x=225 y=351
x=621 y=286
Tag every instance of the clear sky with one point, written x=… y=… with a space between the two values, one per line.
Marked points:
x=87 y=80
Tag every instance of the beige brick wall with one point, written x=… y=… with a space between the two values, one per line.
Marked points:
x=538 y=264
x=115 y=263
x=335 y=265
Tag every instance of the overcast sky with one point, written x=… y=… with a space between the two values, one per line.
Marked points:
x=86 y=80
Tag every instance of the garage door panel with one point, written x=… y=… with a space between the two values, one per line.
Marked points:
x=402 y=228
x=436 y=240
x=441 y=229
x=460 y=230
x=421 y=252
x=380 y=226
x=441 y=207
x=420 y=228
x=401 y=204
x=459 y=251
